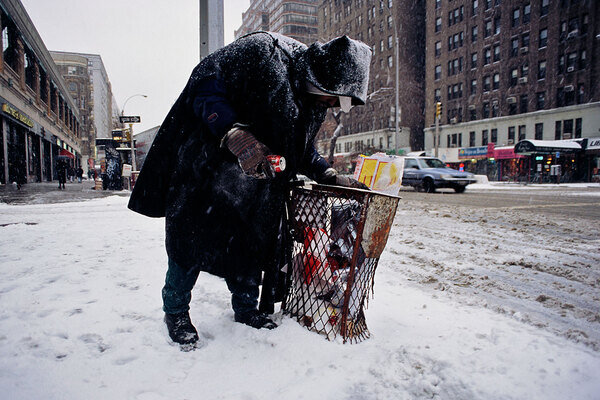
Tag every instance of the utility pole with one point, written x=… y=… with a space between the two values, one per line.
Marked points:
x=438 y=114
x=211 y=26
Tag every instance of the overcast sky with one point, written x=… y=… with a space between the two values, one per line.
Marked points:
x=148 y=47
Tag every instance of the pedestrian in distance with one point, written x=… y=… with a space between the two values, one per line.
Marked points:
x=79 y=174
x=61 y=171
x=209 y=170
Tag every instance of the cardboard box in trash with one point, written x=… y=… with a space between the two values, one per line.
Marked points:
x=380 y=172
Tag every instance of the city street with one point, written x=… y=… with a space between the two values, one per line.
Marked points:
x=489 y=294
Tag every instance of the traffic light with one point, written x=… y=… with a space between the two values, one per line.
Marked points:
x=438 y=109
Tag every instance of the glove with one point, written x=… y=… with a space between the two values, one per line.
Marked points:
x=330 y=177
x=251 y=154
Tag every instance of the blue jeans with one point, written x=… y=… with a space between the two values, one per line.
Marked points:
x=177 y=292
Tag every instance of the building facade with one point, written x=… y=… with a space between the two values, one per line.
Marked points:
x=296 y=19
x=395 y=32
x=39 y=121
x=506 y=71
x=100 y=104
x=74 y=70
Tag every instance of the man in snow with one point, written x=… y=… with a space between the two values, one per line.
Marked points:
x=207 y=171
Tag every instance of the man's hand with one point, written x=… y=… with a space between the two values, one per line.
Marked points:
x=251 y=154
x=330 y=177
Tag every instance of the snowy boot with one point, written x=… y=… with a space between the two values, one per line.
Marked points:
x=181 y=329
x=255 y=319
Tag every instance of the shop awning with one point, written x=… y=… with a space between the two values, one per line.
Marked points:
x=546 y=146
x=66 y=153
x=506 y=152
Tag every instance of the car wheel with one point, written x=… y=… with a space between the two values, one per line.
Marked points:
x=428 y=185
x=459 y=188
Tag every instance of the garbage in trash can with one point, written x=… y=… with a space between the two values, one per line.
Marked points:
x=339 y=235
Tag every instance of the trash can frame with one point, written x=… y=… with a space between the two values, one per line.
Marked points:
x=311 y=214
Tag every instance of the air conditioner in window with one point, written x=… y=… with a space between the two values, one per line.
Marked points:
x=510 y=141
x=511 y=100
x=524 y=49
x=523 y=80
x=570 y=69
x=573 y=34
x=569 y=88
x=453 y=120
x=472 y=107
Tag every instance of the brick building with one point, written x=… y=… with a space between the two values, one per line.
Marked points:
x=378 y=24
x=511 y=70
x=296 y=19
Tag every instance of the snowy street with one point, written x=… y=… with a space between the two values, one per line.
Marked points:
x=490 y=294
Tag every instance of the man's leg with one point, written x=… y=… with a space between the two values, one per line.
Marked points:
x=177 y=294
x=244 y=301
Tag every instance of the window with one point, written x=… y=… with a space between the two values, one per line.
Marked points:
x=561 y=64
x=486 y=83
x=540 y=100
x=381 y=46
x=526 y=13
x=449 y=43
x=584 y=24
x=487 y=4
x=543 y=38
x=497 y=23
x=486 y=110
x=390 y=61
x=438 y=24
x=474 y=86
x=525 y=40
x=438 y=49
x=438 y=72
x=474 y=34
x=484 y=137
x=494 y=135
x=567 y=129
x=578 y=123
x=473 y=60
x=495 y=109
x=512 y=108
x=511 y=134
x=475 y=6
x=558 y=130
x=472 y=114
x=29 y=69
x=542 y=70
x=524 y=69
x=488 y=29
x=580 y=93
x=487 y=56
x=437 y=95
x=496 y=84
x=515 y=17
x=514 y=47
x=544 y=7
x=582 y=59
x=438 y=4
x=571 y=60
x=539 y=131
x=523 y=104
x=496 y=52
x=513 y=77
x=522 y=132
x=390 y=42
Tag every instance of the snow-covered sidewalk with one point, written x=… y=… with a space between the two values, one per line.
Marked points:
x=81 y=319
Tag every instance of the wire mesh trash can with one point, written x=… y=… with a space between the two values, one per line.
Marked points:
x=339 y=234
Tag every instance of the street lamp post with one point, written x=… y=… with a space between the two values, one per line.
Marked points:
x=397 y=72
x=131 y=142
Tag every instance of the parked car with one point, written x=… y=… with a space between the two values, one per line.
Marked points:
x=430 y=173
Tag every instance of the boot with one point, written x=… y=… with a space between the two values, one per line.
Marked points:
x=255 y=319
x=180 y=328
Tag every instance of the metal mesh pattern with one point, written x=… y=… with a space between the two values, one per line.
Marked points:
x=333 y=268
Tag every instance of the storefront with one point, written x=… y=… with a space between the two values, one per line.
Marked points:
x=553 y=161
x=592 y=159
x=511 y=167
x=477 y=161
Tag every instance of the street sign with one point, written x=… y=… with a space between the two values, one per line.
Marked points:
x=129 y=119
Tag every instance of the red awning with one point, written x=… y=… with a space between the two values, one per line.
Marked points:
x=66 y=153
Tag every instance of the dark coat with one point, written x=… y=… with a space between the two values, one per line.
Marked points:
x=218 y=219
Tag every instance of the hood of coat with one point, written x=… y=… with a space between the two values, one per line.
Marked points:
x=339 y=67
